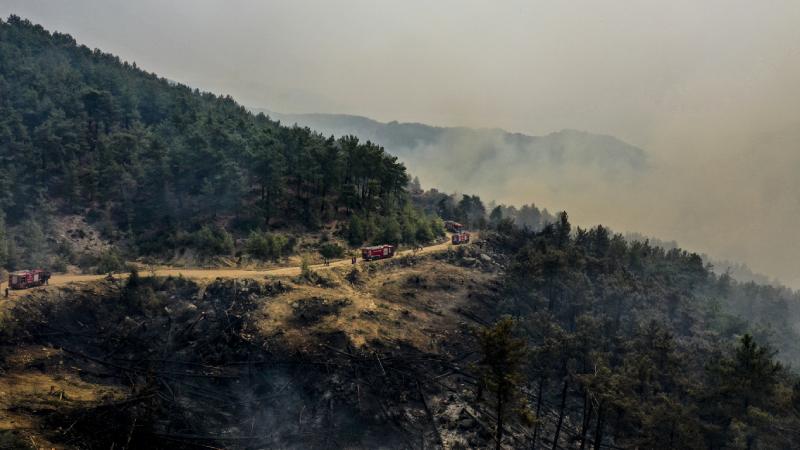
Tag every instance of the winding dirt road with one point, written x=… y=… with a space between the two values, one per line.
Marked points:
x=213 y=273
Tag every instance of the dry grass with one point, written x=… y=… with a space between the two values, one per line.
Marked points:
x=388 y=306
x=36 y=381
x=396 y=304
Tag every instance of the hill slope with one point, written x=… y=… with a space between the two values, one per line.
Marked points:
x=157 y=167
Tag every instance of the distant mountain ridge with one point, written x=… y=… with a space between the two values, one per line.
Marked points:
x=464 y=159
x=404 y=137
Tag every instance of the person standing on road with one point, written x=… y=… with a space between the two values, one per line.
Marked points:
x=6 y=292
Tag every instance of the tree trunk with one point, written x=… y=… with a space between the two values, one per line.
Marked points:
x=500 y=413
x=561 y=413
x=588 y=409
x=598 y=433
x=538 y=412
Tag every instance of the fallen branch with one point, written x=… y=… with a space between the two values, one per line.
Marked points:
x=430 y=414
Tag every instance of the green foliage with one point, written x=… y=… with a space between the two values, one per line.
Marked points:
x=266 y=246
x=331 y=250
x=407 y=225
x=390 y=232
x=32 y=245
x=356 y=230
x=423 y=232
x=437 y=226
x=211 y=240
x=110 y=262
x=622 y=335
x=750 y=375
x=500 y=367
x=155 y=160
x=305 y=268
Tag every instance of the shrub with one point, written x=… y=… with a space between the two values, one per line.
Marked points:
x=437 y=227
x=110 y=261
x=305 y=268
x=58 y=264
x=268 y=246
x=330 y=251
x=212 y=240
x=354 y=276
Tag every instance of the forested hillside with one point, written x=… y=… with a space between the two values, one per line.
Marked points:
x=646 y=346
x=158 y=165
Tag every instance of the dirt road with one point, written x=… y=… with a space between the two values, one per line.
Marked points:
x=210 y=274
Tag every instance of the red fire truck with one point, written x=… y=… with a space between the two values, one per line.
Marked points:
x=25 y=279
x=453 y=227
x=377 y=252
x=460 y=238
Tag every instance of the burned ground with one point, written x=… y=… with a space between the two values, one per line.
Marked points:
x=379 y=359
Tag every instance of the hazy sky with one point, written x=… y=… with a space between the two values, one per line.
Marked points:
x=711 y=89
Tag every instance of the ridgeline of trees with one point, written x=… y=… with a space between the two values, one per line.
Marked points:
x=159 y=165
x=641 y=347
x=526 y=216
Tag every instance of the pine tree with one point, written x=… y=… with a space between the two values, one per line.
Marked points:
x=502 y=358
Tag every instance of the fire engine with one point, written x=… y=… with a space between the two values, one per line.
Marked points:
x=28 y=278
x=460 y=238
x=453 y=227
x=377 y=252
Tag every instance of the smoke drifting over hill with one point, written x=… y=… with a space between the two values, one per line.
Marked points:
x=509 y=167
x=732 y=205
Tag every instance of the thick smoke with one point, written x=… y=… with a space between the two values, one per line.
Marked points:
x=734 y=204
x=740 y=205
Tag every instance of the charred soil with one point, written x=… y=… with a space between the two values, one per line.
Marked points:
x=378 y=358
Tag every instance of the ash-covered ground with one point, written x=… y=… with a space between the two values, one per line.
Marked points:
x=376 y=357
